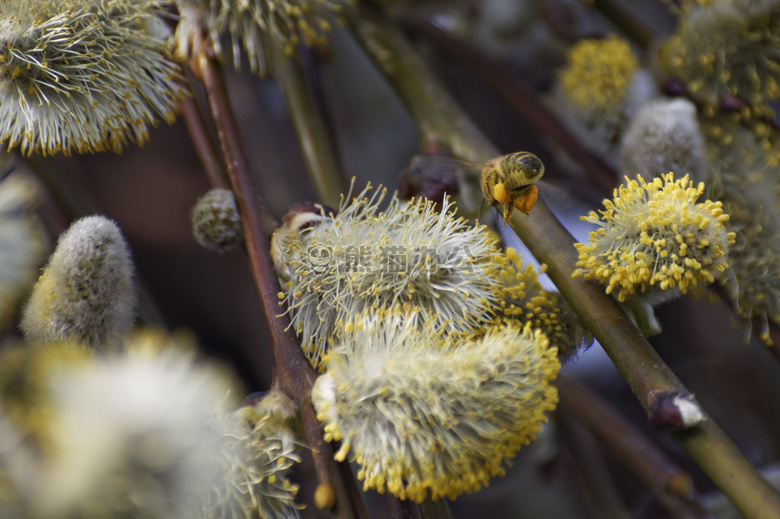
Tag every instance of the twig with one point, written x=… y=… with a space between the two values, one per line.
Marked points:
x=317 y=149
x=651 y=465
x=438 y=509
x=589 y=468
x=204 y=144
x=401 y=508
x=550 y=243
x=623 y=18
x=641 y=366
x=438 y=118
x=293 y=372
x=523 y=99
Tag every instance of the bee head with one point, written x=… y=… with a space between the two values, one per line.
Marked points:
x=520 y=169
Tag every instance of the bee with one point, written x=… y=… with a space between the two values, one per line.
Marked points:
x=510 y=181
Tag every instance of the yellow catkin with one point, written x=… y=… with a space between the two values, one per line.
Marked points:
x=654 y=237
x=426 y=416
x=598 y=74
x=58 y=94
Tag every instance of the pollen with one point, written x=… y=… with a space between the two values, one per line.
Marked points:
x=598 y=74
x=599 y=89
x=523 y=300
x=641 y=244
x=426 y=416
x=726 y=48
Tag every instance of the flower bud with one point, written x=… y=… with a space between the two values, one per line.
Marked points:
x=664 y=136
x=85 y=294
x=216 y=223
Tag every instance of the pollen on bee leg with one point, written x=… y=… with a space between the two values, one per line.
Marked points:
x=500 y=194
x=525 y=202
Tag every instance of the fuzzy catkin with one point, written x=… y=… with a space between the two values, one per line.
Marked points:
x=523 y=300
x=665 y=136
x=725 y=48
x=654 y=238
x=83 y=76
x=257 y=449
x=133 y=435
x=255 y=24
x=599 y=90
x=427 y=415
x=337 y=267
x=85 y=294
x=21 y=244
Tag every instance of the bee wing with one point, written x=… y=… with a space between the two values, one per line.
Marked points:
x=431 y=176
x=557 y=197
x=438 y=166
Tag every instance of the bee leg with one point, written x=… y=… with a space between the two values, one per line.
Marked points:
x=507 y=214
x=526 y=201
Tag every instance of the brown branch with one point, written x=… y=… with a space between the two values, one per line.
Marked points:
x=439 y=120
x=293 y=372
x=641 y=366
x=204 y=144
x=401 y=508
x=438 y=509
x=625 y=19
x=665 y=480
x=589 y=469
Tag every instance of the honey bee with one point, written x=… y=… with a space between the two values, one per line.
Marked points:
x=510 y=180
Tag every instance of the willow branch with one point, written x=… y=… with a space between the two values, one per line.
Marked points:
x=316 y=146
x=650 y=464
x=522 y=98
x=293 y=371
x=438 y=509
x=550 y=243
x=438 y=118
x=204 y=144
x=624 y=19
x=589 y=469
x=401 y=508
x=640 y=365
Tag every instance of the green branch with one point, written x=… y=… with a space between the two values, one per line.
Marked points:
x=316 y=146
